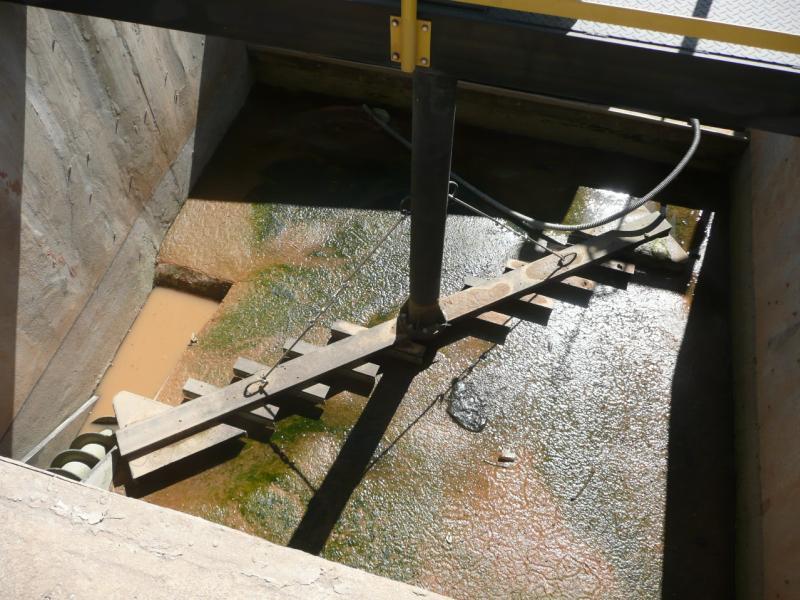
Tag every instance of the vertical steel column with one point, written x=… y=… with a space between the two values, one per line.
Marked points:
x=434 y=108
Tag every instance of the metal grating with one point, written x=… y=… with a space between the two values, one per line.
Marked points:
x=779 y=15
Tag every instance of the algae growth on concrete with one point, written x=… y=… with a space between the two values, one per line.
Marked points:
x=301 y=188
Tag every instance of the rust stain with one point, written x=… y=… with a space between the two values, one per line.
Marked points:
x=541 y=270
x=474 y=298
x=533 y=551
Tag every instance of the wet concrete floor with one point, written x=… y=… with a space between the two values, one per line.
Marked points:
x=302 y=185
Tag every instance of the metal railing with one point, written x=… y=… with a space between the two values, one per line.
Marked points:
x=692 y=27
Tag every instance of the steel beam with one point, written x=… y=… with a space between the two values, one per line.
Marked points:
x=433 y=121
x=495 y=48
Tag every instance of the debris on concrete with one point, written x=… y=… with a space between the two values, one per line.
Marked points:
x=507 y=456
x=467 y=407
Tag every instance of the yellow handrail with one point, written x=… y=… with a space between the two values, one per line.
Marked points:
x=408 y=14
x=654 y=21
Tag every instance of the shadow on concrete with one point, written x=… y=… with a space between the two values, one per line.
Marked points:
x=305 y=149
x=176 y=472
x=353 y=460
x=13 y=34
x=699 y=520
x=224 y=82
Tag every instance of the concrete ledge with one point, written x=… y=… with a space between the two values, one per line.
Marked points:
x=65 y=539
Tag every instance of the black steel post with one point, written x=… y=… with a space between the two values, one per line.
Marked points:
x=434 y=108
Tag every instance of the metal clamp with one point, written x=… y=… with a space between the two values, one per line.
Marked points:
x=410 y=38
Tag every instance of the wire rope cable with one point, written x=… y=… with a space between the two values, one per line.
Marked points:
x=263 y=379
x=538 y=224
x=452 y=196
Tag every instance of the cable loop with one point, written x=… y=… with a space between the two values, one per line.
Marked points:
x=536 y=223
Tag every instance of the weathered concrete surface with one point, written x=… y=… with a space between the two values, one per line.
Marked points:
x=770 y=392
x=189 y=280
x=593 y=404
x=62 y=539
x=111 y=145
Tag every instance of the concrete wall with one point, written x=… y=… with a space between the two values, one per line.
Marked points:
x=767 y=317
x=62 y=539
x=107 y=134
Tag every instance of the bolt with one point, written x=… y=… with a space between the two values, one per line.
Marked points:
x=395 y=22
x=425 y=27
x=395 y=56
x=423 y=61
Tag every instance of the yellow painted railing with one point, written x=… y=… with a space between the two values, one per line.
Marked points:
x=653 y=21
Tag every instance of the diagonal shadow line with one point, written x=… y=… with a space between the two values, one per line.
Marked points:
x=441 y=397
x=291 y=464
x=355 y=458
x=351 y=464
x=511 y=322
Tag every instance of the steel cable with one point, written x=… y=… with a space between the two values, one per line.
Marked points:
x=536 y=223
x=263 y=379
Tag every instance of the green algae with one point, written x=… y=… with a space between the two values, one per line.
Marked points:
x=382 y=315
x=269 y=307
x=265 y=222
x=265 y=486
x=392 y=519
x=273 y=511
x=359 y=542
x=293 y=428
x=268 y=220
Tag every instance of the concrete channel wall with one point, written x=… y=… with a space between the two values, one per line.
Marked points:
x=766 y=319
x=104 y=125
x=63 y=539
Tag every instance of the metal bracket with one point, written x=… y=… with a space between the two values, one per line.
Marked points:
x=410 y=46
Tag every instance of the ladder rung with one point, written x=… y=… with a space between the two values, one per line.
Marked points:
x=364 y=373
x=532 y=307
x=263 y=415
x=579 y=282
x=317 y=392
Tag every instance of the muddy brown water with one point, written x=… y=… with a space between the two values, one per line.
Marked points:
x=153 y=346
x=392 y=484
